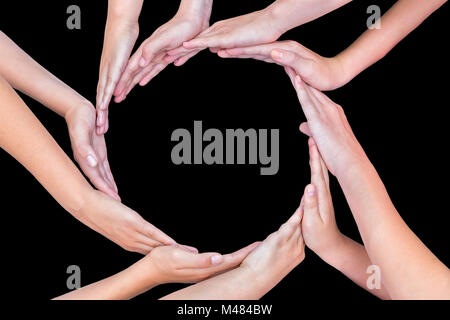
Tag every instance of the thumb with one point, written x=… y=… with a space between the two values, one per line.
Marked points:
x=84 y=149
x=149 y=51
x=311 y=204
x=301 y=65
x=194 y=260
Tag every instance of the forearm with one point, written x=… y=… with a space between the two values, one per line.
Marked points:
x=414 y=272
x=124 y=10
x=374 y=44
x=288 y=14
x=122 y=286
x=196 y=8
x=351 y=258
x=237 y=284
x=27 y=76
x=24 y=137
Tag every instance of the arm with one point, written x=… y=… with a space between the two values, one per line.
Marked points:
x=151 y=58
x=262 y=270
x=168 y=264
x=322 y=234
x=121 y=32
x=374 y=44
x=325 y=73
x=27 y=76
x=262 y=26
x=24 y=138
x=415 y=272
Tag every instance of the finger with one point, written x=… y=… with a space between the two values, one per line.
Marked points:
x=151 y=49
x=160 y=67
x=131 y=69
x=154 y=233
x=102 y=171
x=304 y=128
x=214 y=50
x=181 y=61
x=180 y=51
x=306 y=100
x=261 y=50
x=189 y=260
x=146 y=241
x=317 y=178
x=99 y=181
x=188 y=248
x=109 y=174
x=311 y=205
x=101 y=86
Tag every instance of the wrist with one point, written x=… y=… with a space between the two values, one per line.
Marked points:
x=197 y=11
x=278 y=14
x=121 y=11
x=144 y=275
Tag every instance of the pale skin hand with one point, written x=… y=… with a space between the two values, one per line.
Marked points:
x=321 y=233
x=166 y=264
x=415 y=273
x=325 y=73
x=89 y=149
x=121 y=32
x=262 y=270
x=26 y=75
x=120 y=224
x=264 y=26
x=317 y=71
x=24 y=137
x=151 y=57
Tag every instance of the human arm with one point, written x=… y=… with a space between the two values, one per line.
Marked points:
x=89 y=150
x=415 y=273
x=149 y=60
x=263 y=26
x=25 y=138
x=262 y=270
x=166 y=264
x=321 y=233
x=329 y=73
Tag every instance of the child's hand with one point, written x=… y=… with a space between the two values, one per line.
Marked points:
x=120 y=37
x=281 y=252
x=317 y=71
x=89 y=149
x=251 y=29
x=149 y=60
x=319 y=227
x=120 y=224
x=329 y=127
x=175 y=264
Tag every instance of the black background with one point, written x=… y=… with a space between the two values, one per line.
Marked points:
x=396 y=109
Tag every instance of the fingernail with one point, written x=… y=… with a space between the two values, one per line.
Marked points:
x=91 y=160
x=142 y=62
x=278 y=55
x=311 y=190
x=216 y=259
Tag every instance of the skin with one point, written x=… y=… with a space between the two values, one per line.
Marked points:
x=118 y=72
x=24 y=137
x=89 y=150
x=325 y=73
x=415 y=273
x=262 y=270
x=166 y=264
x=264 y=26
x=321 y=233
x=121 y=32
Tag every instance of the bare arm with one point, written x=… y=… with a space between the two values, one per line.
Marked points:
x=409 y=270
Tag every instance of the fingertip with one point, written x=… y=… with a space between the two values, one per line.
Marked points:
x=277 y=54
x=310 y=190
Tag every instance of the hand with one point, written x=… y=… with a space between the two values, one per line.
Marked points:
x=319 y=227
x=251 y=29
x=329 y=127
x=89 y=149
x=281 y=252
x=317 y=71
x=120 y=37
x=175 y=264
x=120 y=224
x=151 y=57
